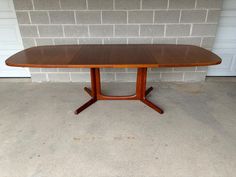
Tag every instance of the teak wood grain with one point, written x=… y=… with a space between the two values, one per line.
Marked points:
x=113 y=56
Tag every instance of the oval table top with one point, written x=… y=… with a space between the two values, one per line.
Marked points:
x=114 y=56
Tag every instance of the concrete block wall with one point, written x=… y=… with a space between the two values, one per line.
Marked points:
x=53 y=22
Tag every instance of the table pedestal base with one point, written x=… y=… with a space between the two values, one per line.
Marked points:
x=141 y=92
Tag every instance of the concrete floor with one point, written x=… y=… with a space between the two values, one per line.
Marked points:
x=41 y=137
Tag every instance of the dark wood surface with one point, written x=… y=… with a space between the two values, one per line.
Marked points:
x=113 y=56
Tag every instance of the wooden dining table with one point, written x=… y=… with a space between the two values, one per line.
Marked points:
x=95 y=57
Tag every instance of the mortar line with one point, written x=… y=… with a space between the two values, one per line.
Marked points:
x=86 y=4
x=207 y=13
x=33 y=4
x=59 y=3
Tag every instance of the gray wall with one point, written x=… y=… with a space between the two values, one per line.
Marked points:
x=52 y=22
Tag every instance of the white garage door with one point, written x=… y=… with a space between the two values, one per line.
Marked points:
x=10 y=40
x=225 y=44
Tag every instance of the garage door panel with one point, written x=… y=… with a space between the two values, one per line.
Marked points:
x=225 y=42
x=7 y=9
x=10 y=40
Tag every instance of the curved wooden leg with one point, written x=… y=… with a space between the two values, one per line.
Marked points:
x=141 y=92
x=89 y=91
x=153 y=106
x=87 y=104
x=148 y=91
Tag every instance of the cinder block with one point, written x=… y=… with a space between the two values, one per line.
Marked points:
x=76 y=31
x=154 y=4
x=46 y=5
x=126 y=30
x=152 y=30
x=23 y=4
x=191 y=16
x=162 y=70
x=202 y=68
x=42 y=41
x=190 y=40
x=100 y=4
x=90 y=41
x=61 y=41
x=213 y=16
x=178 y=30
x=115 y=41
x=38 y=77
x=140 y=16
x=107 y=77
x=23 y=17
x=209 y=3
x=88 y=17
x=139 y=40
x=49 y=70
x=132 y=70
x=28 y=42
x=101 y=30
x=80 y=77
x=114 y=17
x=34 y=70
x=73 y=4
x=28 y=31
x=167 y=16
x=153 y=77
x=68 y=70
x=181 y=4
x=59 y=77
x=126 y=77
x=208 y=42
x=62 y=17
x=113 y=69
x=50 y=31
x=204 y=29
x=164 y=40
x=183 y=69
x=84 y=69
x=39 y=17
x=127 y=5
x=194 y=76
x=171 y=77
